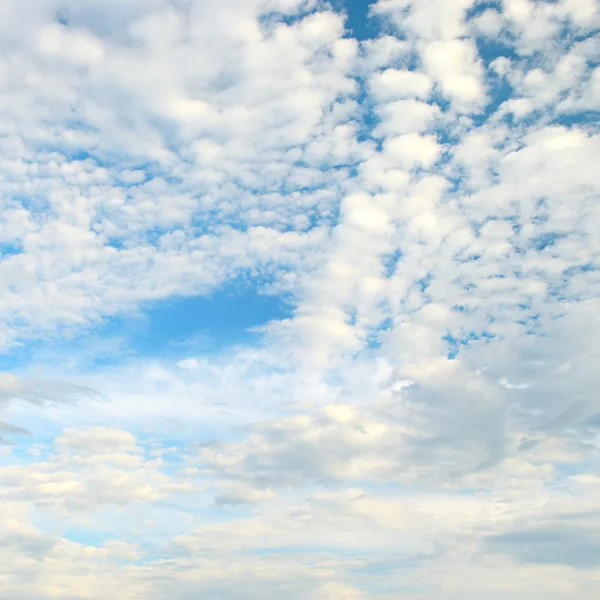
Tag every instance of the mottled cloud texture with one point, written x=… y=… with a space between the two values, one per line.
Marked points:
x=422 y=421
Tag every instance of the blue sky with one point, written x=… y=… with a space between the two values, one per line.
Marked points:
x=299 y=298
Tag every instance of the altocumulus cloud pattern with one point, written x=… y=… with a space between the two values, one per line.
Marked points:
x=299 y=300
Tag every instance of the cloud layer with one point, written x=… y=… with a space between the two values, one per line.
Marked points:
x=424 y=423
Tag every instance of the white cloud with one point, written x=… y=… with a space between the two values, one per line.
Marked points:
x=424 y=421
x=406 y=116
x=90 y=468
x=133 y=93
x=413 y=150
x=96 y=440
x=454 y=64
x=427 y=19
x=393 y=83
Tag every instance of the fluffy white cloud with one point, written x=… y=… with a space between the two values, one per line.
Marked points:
x=90 y=468
x=394 y=83
x=455 y=65
x=413 y=150
x=405 y=116
x=424 y=422
x=131 y=129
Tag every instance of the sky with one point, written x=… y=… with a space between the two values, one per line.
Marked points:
x=299 y=299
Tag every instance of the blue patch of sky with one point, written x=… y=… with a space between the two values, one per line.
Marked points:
x=452 y=346
x=178 y=327
x=546 y=240
x=514 y=122
x=288 y=187
x=203 y=222
x=103 y=159
x=498 y=88
x=351 y=315
x=530 y=320
x=557 y=292
x=386 y=324
x=361 y=25
x=36 y=202
x=374 y=339
x=575 y=270
x=458 y=177
x=447 y=136
x=71 y=152
x=482 y=6
x=390 y=262
x=462 y=258
x=18 y=455
x=206 y=323
x=10 y=249
x=424 y=282
x=477 y=225
x=360 y=22
x=491 y=48
x=456 y=344
x=369 y=119
x=460 y=308
x=570 y=35
x=151 y=236
x=87 y=536
x=513 y=221
x=328 y=216
x=499 y=91
x=586 y=119
x=269 y=20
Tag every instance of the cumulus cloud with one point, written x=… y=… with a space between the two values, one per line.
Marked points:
x=88 y=468
x=424 y=421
